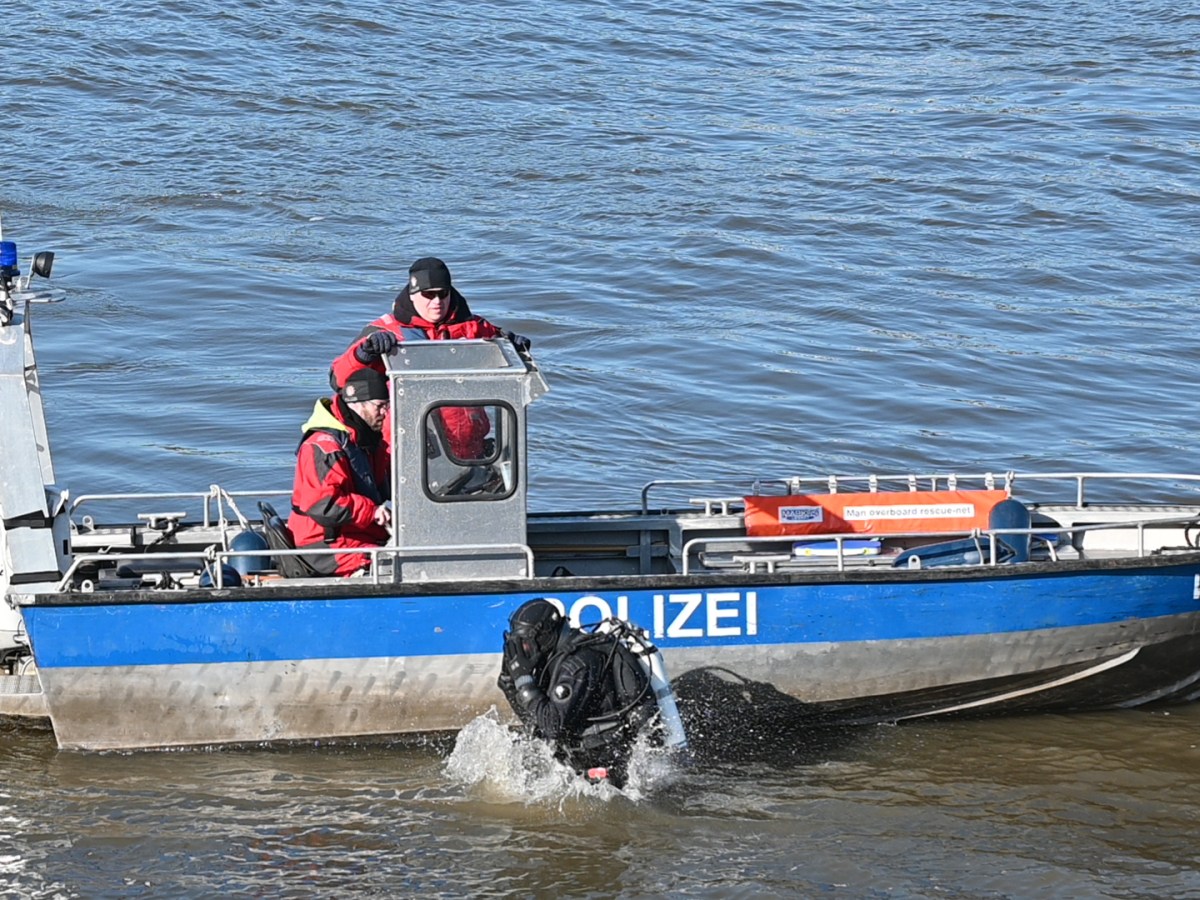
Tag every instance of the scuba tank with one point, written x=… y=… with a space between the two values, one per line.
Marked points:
x=650 y=658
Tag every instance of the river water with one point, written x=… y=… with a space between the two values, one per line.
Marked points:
x=744 y=237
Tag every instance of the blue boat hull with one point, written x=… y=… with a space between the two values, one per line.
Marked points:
x=211 y=667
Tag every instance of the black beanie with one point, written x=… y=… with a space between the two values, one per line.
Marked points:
x=428 y=274
x=363 y=385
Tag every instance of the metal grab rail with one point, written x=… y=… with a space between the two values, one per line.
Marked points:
x=1034 y=532
x=220 y=557
x=214 y=494
x=794 y=484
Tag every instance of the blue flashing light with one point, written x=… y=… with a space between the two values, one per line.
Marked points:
x=8 y=254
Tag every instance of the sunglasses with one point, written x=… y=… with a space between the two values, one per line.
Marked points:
x=439 y=294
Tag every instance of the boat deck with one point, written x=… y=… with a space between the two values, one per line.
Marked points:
x=171 y=542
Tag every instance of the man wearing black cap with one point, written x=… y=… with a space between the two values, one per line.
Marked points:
x=341 y=490
x=428 y=308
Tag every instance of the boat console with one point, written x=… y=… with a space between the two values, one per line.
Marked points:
x=459 y=503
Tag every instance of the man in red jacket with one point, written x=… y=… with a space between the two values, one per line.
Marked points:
x=428 y=308
x=343 y=470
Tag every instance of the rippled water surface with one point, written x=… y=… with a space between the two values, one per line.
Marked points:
x=1084 y=806
x=756 y=238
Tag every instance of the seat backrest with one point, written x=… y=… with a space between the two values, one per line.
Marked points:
x=280 y=538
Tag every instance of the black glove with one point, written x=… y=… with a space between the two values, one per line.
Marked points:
x=377 y=344
x=520 y=343
x=517 y=661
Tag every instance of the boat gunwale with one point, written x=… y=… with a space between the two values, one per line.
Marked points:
x=297 y=589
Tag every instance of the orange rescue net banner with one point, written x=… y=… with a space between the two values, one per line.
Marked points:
x=889 y=512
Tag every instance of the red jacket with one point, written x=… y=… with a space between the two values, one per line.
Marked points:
x=466 y=427
x=341 y=477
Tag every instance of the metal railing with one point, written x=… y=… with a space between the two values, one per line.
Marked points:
x=1035 y=532
x=872 y=483
x=212 y=560
x=216 y=496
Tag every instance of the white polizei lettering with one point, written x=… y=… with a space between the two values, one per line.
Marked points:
x=589 y=602
x=690 y=603
x=724 y=614
x=716 y=614
x=623 y=608
x=1196 y=588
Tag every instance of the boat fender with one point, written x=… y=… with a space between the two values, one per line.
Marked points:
x=230 y=577
x=1012 y=513
x=245 y=541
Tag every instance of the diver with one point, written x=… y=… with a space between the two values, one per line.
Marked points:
x=585 y=691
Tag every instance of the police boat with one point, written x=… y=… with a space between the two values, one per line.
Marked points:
x=140 y=620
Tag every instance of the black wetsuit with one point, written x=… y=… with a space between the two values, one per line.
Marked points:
x=591 y=698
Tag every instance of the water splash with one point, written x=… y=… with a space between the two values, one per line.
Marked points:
x=510 y=765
